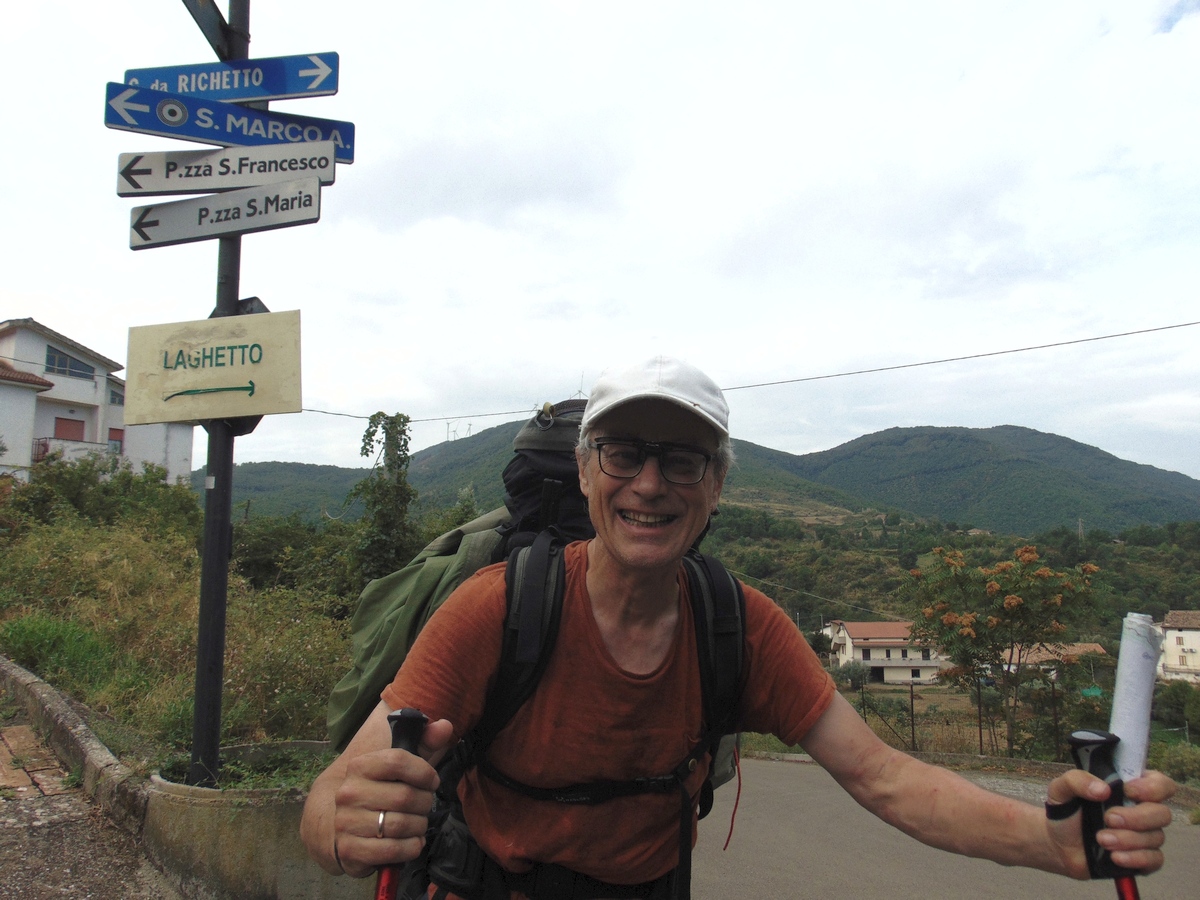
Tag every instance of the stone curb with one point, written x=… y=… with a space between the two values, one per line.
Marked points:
x=119 y=793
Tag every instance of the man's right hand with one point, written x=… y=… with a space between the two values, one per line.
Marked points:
x=342 y=821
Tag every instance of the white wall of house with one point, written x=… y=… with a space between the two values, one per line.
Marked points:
x=1180 y=657
x=168 y=445
x=17 y=405
x=891 y=661
x=96 y=400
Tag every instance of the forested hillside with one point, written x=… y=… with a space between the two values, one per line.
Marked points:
x=1004 y=479
x=1009 y=479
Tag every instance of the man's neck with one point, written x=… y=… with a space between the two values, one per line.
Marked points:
x=637 y=612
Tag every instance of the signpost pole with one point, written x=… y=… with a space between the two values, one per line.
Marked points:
x=218 y=506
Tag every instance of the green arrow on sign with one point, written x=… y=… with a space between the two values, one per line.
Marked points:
x=249 y=388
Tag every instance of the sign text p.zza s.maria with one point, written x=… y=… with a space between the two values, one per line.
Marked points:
x=259 y=208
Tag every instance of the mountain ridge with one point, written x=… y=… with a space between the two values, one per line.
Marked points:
x=1004 y=478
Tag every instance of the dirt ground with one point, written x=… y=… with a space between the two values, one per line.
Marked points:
x=53 y=841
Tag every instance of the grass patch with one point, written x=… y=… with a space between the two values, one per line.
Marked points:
x=108 y=614
x=282 y=768
x=766 y=743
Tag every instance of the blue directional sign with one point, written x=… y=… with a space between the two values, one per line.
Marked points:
x=274 y=78
x=213 y=122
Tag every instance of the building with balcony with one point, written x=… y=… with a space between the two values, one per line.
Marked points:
x=1180 y=655
x=57 y=396
x=887 y=649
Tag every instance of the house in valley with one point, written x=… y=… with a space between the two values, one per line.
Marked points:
x=1180 y=655
x=887 y=649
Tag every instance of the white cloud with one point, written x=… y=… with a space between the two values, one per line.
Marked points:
x=771 y=190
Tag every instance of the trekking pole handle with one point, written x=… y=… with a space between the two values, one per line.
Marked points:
x=1093 y=752
x=407 y=726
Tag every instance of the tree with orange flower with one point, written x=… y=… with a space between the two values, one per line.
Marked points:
x=989 y=619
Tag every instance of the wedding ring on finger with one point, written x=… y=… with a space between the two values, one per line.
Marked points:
x=379 y=827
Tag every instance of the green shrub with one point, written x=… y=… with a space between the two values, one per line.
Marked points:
x=1179 y=761
x=61 y=651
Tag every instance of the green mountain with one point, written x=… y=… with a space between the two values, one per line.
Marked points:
x=1007 y=479
x=283 y=488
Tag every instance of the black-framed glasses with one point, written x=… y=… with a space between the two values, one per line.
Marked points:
x=624 y=458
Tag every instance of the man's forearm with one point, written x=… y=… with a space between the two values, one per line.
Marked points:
x=932 y=804
x=945 y=810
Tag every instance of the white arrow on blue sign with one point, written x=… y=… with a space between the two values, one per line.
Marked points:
x=220 y=215
x=271 y=78
x=213 y=122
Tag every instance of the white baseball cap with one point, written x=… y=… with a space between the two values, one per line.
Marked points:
x=660 y=378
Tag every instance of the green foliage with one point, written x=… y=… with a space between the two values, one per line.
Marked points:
x=853 y=673
x=1179 y=761
x=989 y=619
x=1171 y=702
x=1005 y=478
x=66 y=652
x=283 y=489
x=103 y=489
x=108 y=613
x=388 y=538
x=437 y=523
x=289 y=552
x=283 y=654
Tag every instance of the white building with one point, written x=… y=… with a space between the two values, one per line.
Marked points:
x=1180 y=656
x=887 y=649
x=57 y=395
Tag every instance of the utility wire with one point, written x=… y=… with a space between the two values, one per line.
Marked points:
x=744 y=387
x=784 y=587
x=938 y=362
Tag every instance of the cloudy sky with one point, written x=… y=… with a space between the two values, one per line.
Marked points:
x=780 y=192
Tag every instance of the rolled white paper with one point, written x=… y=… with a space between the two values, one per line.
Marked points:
x=1136 y=666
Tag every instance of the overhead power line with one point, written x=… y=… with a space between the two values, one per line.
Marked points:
x=762 y=384
x=938 y=362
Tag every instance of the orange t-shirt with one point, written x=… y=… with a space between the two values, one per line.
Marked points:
x=590 y=720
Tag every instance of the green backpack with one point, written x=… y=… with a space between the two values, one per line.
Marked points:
x=541 y=490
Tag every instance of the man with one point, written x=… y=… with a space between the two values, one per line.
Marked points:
x=620 y=698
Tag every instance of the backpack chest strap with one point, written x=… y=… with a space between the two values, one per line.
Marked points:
x=594 y=792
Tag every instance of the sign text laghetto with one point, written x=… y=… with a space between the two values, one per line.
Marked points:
x=220 y=356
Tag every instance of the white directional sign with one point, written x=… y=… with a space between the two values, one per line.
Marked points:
x=218 y=215
x=213 y=368
x=274 y=78
x=205 y=171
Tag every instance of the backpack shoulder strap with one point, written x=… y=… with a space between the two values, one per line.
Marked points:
x=534 y=580
x=719 y=612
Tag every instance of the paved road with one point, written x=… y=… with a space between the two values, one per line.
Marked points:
x=799 y=835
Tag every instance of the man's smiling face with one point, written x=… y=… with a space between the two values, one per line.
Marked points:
x=647 y=522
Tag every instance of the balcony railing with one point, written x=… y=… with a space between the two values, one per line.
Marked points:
x=70 y=450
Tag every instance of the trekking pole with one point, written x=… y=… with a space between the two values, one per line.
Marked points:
x=407 y=727
x=1093 y=752
x=1120 y=753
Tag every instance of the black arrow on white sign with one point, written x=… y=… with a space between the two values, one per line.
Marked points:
x=129 y=171
x=143 y=223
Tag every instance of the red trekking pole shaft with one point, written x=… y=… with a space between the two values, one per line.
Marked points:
x=407 y=727
x=1127 y=887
